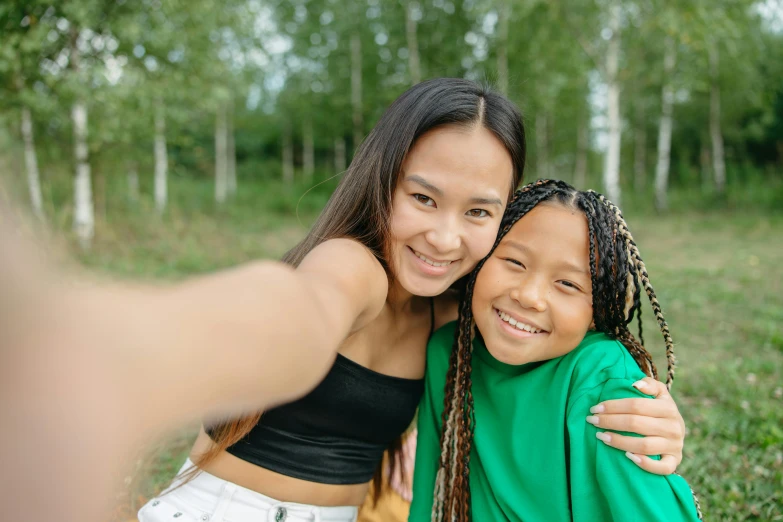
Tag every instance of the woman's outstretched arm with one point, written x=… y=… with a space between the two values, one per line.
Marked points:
x=90 y=369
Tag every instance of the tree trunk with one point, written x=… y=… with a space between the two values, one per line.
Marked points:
x=412 y=10
x=221 y=181
x=612 y=163
x=308 y=150
x=84 y=217
x=31 y=164
x=718 y=160
x=288 y=154
x=231 y=161
x=161 y=158
x=503 y=15
x=83 y=214
x=580 y=166
x=133 y=182
x=339 y=155
x=704 y=163
x=356 y=89
x=542 y=145
x=665 y=128
x=640 y=149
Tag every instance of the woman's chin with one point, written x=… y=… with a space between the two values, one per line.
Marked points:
x=424 y=288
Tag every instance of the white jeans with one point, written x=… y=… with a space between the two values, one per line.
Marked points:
x=208 y=498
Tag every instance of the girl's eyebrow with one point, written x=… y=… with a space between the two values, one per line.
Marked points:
x=562 y=265
x=478 y=200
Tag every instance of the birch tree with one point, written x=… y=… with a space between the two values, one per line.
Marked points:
x=716 y=136
x=665 y=127
x=31 y=163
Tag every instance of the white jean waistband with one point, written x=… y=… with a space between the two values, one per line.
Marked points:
x=224 y=500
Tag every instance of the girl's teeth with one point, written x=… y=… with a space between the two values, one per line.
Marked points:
x=519 y=325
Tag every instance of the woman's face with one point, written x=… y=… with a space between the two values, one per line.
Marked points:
x=533 y=298
x=447 y=207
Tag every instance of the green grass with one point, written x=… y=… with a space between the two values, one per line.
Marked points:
x=718 y=274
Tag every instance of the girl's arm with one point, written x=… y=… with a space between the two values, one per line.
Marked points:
x=658 y=420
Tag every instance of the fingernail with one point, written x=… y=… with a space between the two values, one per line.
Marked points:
x=597 y=409
x=592 y=419
x=605 y=437
x=633 y=457
x=640 y=385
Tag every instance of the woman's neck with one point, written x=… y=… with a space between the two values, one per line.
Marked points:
x=400 y=300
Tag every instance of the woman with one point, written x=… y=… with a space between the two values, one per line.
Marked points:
x=417 y=209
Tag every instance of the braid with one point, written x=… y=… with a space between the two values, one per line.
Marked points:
x=641 y=271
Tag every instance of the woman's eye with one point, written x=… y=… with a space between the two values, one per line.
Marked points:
x=478 y=213
x=425 y=200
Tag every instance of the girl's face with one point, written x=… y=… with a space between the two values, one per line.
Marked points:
x=447 y=207
x=533 y=297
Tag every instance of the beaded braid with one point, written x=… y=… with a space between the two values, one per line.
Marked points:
x=617 y=274
x=641 y=271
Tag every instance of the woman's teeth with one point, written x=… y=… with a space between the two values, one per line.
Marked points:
x=430 y=261
x=516 y=324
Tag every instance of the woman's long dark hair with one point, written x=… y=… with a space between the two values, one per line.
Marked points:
x=618 y=276
x=360 y=207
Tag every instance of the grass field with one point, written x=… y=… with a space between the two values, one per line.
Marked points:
x=718 y=276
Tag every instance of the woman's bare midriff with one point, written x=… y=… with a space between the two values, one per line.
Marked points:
x=274 y=485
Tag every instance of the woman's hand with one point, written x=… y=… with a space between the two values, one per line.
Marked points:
x=659 y=420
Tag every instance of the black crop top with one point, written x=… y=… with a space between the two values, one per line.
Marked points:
x=338 y=432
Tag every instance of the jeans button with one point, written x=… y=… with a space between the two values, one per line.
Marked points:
x=281 y=514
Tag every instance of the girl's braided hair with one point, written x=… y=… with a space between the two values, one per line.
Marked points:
x=618 y=275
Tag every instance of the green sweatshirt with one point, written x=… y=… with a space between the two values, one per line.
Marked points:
x=534 y=457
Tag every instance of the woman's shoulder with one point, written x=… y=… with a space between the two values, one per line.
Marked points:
x=349 y=268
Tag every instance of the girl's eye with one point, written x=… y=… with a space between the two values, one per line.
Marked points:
x=514 y=262
x=478 y=213
x=570 y=285
x=424 y=200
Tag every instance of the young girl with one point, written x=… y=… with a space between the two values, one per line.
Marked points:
x=417 y=209
x=550 y=310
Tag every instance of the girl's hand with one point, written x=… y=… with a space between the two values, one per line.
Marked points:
x=658 y=420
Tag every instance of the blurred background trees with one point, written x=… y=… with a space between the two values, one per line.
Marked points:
x=633 y=97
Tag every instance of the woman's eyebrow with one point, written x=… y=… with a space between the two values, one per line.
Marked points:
x=424 y=183
x=478 y=200
x=486 y=201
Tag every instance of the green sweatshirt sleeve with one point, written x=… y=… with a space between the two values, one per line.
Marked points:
x=605 y=484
